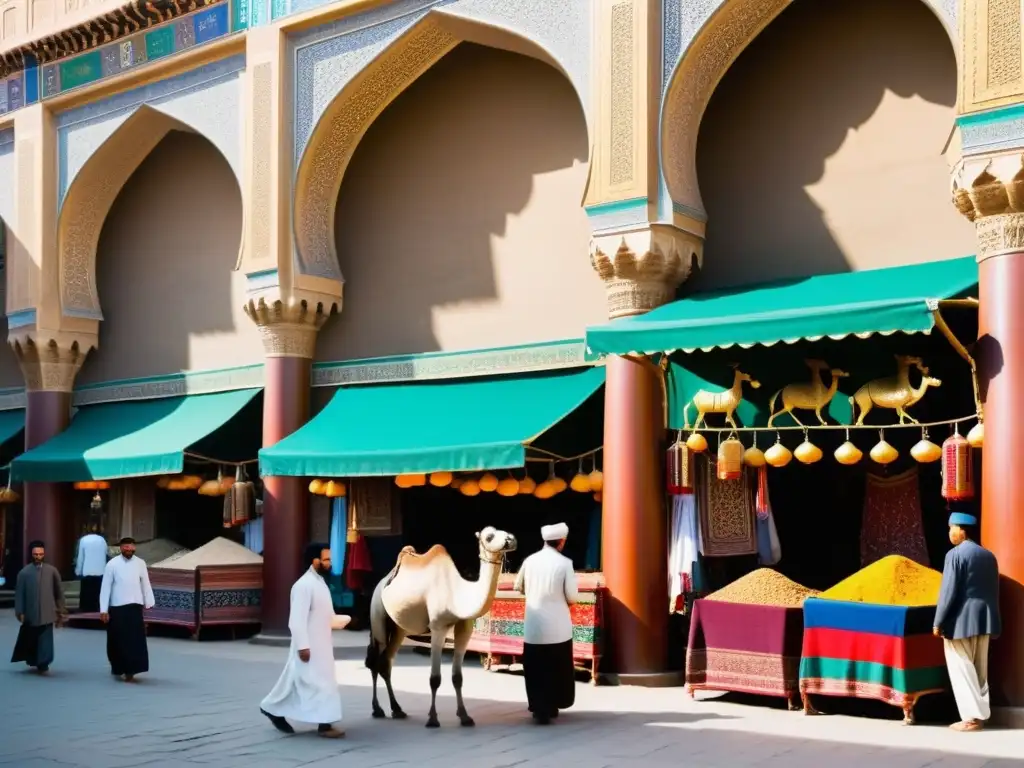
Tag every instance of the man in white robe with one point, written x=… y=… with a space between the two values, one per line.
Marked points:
x=125 y=594
x=307 y=690
x=548 y=581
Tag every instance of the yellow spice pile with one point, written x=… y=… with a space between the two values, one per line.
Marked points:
x=763 y=587
x=893 y=580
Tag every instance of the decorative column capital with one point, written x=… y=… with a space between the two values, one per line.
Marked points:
x=990 y=192
x=288 y=327
x=50 y=363
x=642 y=267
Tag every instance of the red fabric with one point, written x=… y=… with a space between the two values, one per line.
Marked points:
x=892 y=519
x=357 y=564
x=913 y=652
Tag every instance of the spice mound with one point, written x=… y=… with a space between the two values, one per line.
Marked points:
x=893 y=580
x=763 y=587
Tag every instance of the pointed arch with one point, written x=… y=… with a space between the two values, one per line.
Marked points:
x=343 y=123
x=711 y=46
x=91 y=194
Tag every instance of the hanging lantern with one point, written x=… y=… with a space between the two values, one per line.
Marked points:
x=508 y=487
x=679 y=468
x=456 y=483
x=596 y=480
x=488 y=482
x=440 y=479
x=697 y=443
x=807 y=452
x=580 y=481
x=177 y=484
x=411 y=481
x=227 y=482
x=754 y=456
x=778 y=455
x=470 y=487
x=103 y=485
x=335 y=489
x=883 y=453
x=214 y=487
x=559 y=484
x=730 y=459
x=96 y=505
x=848 y=453
x=316 y=487
x=544 y=490
x=597 y=497
x=85 y=485
x=957 y=468
x=924 y=450
x=192 y=482
x=8 y=495
x=527 y=485
x=976 y=437
x=402 y=481
x=418 y=480
x=163 y=482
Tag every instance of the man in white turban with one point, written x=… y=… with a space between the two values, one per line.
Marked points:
x=548 y=581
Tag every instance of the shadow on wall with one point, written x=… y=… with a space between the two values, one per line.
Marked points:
x=459 y=221
x=822 y=150
x=10 y=373
x=165 y=269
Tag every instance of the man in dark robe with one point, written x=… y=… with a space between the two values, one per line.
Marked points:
x=548 y=581
x=124 y=594
x=38 y=605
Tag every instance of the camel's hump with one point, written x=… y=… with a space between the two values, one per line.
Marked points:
x=409 y=557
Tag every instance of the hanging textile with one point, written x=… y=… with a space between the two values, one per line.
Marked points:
x=253 y=533
x=769 y=549
x=357 y=564
x=339 y=526
x=892 y=519
x=683 y=559
x=593 y=558
x=726 y=514
x=375 y=504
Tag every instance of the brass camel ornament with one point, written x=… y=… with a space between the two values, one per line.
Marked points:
x=807 y=396
x=894 y=392
x=720 y=402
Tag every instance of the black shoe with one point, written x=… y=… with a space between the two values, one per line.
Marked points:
x=279 y=722
x=43 y=669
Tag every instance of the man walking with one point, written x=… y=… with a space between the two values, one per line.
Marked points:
x=966 y=617
x=124 y=594
x=307 y=690
x=38 y=605
x=548 y=581
x=89 y=566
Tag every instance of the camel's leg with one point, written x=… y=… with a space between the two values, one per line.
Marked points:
x=699 y=421
x=817 y=412
x=437 y=636
x=463 y=631
x=903 y=414
x=379 y=627
x=729 y=418
x=865 y=409
x=387 y=662
x=792 y=415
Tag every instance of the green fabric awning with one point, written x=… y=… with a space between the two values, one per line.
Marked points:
x=454 y=425
x=129 y=439
x=852 y=303
x=11 y=423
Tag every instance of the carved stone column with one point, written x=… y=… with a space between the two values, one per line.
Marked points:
x=49 y=366
x=990 y=192
x=289 y=331
x=641 y=268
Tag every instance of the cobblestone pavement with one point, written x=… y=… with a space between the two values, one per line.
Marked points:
x=199 y=706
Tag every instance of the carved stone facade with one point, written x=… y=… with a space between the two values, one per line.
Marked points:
x=50 y=365
x=990 y=192
x=288 y=328
x=642 y=268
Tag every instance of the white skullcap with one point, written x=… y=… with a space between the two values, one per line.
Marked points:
x=555 y=532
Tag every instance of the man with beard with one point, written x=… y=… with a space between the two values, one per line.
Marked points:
x=307 y=690
x=124 y=594
x=38 y=604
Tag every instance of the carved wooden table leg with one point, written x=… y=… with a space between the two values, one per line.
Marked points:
x=809 y=709
x=794 y=702
x=908 y=711
x=692 y=691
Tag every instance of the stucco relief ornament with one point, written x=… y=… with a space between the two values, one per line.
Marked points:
x=641 y=269
x=990 y=192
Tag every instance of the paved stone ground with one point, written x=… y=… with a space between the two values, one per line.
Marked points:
x=199 y=707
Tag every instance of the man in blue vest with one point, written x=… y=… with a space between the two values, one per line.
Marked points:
x=966 y=617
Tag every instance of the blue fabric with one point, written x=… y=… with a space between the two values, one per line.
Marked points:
x=962 y=518
x=253 y=532
x=969 y=598
x=855 y=617
x=593 y=558
x=338 y=542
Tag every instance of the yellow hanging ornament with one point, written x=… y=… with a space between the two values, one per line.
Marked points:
x=883 y=453
x=596 y=481
x=316 y=487
x=559 y=484
x=925 y=451
x=754 y=456
x=544 y=490
x=580 y=482
x=440 y=479
x=597 y=497
x=508 y=487
x=527 y=485
x=697 y=443
x=488 y=482
x=848 y=453
x=976 y=437
x=470 y=488
x=807 y=452
x=778 y=455
x=335 y=489
x=456 y=483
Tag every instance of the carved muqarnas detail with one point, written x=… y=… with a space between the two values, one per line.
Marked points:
x=49 y=366
x=994 y=201
x=113 y=25
x=642 y=272
x=288 y=328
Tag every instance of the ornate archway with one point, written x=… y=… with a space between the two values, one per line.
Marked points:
x=709 y=47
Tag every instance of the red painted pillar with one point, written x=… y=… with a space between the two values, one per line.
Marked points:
x=634 y=534
x=1000 y=351
x=285 y=501
x=46 y=516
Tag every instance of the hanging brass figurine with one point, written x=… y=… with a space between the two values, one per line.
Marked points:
x=807 y=396
x=720 y=402
x=894 y=392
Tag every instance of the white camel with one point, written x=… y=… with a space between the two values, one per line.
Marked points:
x=425 y=594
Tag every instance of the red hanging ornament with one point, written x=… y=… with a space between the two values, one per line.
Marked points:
x=679 y=469
x=957 y=468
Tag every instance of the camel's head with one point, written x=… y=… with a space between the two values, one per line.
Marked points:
x=838 y=374
x=495 y=542
x=913 y=360
x=929 y=381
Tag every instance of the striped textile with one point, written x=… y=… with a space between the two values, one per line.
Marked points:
x=230 y=594
x=868 y=651
x=175 y=595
